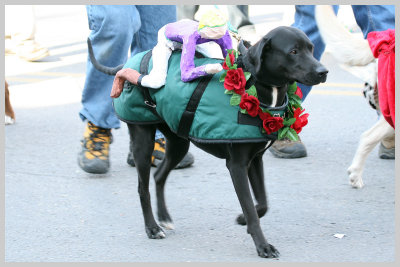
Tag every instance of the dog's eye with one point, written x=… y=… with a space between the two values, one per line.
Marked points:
x=293 y=52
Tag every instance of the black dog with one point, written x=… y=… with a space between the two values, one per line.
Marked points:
x=281 y=57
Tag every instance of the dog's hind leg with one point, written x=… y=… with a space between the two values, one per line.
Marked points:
x=237 y=163
x=176 y=149
x=142 y=137
x=256 y=177
x=369 y=139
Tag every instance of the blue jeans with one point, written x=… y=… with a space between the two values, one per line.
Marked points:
x=368 y=17
x=115 y=29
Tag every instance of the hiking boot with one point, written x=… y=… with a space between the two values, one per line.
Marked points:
x=94 y=157
x=158 y=156
x=158 y=152
x=288 y=149
x=187 y=161
x=386 y=153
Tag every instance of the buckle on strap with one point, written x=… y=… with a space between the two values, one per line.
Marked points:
x=150 y=104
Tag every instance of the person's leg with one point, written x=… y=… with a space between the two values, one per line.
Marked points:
x=152 y=17
x=239 y=19
x=112 y=30
x=374 y=17
x=239 y=15
x=186 y=11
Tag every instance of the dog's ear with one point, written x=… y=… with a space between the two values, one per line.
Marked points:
x=242 y=48
x=257 y=53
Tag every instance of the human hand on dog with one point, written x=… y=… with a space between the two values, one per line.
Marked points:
x=123 y=75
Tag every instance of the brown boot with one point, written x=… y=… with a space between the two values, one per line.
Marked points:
x=288 y=149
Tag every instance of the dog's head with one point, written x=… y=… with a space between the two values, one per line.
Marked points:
x=285 y=55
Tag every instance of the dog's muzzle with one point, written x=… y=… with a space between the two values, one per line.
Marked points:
x=322 y=74
x=315 y=77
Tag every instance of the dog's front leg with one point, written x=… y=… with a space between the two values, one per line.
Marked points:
x=369 y=139
x=256 y=177
x=237 y=164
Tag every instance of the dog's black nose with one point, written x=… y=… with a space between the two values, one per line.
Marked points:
x=322 y=73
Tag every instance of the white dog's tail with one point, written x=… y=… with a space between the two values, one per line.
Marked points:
x=349 y=48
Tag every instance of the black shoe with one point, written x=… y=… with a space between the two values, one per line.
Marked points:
x=94 y=157
x=130 y=160
x=386 y=153
x=187 y=161
x=288 y=149
x=158 y=156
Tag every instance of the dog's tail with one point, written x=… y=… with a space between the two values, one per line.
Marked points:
x=350 y=49
x=98 y=66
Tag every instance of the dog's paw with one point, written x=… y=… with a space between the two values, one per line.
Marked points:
x=355 y=178
x=167 y=225
x=155 y=232
x=267 y=251
x=241 y=220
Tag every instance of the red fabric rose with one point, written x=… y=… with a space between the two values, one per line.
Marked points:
x=235 y=80
x=301 y=120
x=232 y=59
x=299 y=92
x=271 y=124
x=250 y=103
x=263 y=115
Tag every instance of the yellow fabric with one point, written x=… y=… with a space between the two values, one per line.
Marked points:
x=212 y=18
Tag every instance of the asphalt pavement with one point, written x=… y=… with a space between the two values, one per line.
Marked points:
x=55 y=212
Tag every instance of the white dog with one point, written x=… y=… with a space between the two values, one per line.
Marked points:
x=356 y=57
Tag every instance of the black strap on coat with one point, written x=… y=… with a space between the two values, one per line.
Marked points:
x=188 y=115
x=143 y=69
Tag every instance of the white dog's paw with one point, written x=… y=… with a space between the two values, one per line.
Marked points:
x=213 y=68
x=355 y=178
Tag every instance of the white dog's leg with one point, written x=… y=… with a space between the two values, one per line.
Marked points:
x=369 y=139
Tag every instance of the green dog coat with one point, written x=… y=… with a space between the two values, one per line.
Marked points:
x=198 y=110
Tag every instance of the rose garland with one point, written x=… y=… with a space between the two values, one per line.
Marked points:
x=287 y=126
